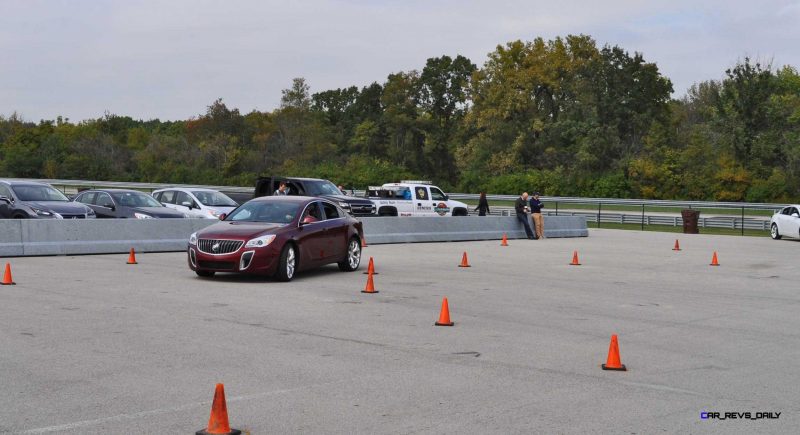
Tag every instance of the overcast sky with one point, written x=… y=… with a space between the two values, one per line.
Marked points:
x=170 y=59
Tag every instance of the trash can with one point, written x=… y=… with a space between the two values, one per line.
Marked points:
x=690 y=218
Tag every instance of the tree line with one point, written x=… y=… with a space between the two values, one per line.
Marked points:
x=561 y=116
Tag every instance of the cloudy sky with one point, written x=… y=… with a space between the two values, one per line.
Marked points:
x=170 y=59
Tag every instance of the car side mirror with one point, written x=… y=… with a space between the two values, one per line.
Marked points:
x=109 y=206
x=187 y=204
x=795 y=215
x=446 y=198
x=222 y=216
x=6 y=199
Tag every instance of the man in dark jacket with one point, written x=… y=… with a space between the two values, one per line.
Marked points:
x=521 y=207
x=536 y=214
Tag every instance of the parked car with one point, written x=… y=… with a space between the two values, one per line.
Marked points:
x=786 y=223
x=279 y=236
x=197 y=203
x=27 y=199
x=123 y=203
x=358 y=207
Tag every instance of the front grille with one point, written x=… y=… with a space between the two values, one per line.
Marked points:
x=361 y=209
x=73 y=216
x=223 y=246
x=216 y=265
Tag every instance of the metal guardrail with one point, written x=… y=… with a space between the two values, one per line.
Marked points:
x=741 y=222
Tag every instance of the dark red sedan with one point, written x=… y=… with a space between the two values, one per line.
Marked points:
x=279 y=236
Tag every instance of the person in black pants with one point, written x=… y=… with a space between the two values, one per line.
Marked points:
x=521 y=207
x=483 y=205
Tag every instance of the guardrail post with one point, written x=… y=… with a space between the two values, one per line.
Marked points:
x=556 y=208
x=643 y=217
x=599 y=210
x=742 y=220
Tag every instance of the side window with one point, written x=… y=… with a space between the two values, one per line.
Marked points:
x=87 y=198
x=168 y=197
x=786 y=211
x=5 y=191
x=437 y=194
x=422 y=192
x=182 y=197
x=331 y=212
x=312 y=213
x=793 y=211
x=103 y=199
x=292 y=188
x=157 y=196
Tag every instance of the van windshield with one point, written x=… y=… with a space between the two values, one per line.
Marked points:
x=318 y=188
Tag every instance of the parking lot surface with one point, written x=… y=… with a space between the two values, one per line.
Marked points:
x=91 y=345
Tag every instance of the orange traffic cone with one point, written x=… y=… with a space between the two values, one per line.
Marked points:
x=575 y=261
x=444 y=315
x=370 y=268
x=218 y=422
x=7 y=280
x=132 y=257
x=677 y=246
x=363 y=241
x=714 y=261
x=505 y=240
x=613 y=362
x=464 y=261
x=370 y=287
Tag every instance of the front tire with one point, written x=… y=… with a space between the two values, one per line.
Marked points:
x=287 y=265
x=353 y=258
x=774 y=232
x=205 y=273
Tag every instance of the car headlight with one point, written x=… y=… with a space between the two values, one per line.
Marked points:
x=142 y=216
x=344 y=205
x=42 y=212
x=260 y=242
x=193 y=239
x=213 y=212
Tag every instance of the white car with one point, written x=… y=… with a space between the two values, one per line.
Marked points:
x=786 y=222
x=196 y=202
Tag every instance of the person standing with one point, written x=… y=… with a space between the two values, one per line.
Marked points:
x=521 y=207
x=536 y=213
x=282 y=189
x=483 y=205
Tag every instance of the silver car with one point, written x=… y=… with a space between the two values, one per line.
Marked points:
x=786 y=223
x=196 y=202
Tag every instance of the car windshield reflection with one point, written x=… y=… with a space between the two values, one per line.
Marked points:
x=213 y=199
x=135 y=199
x=275 y=212
x=38 y=193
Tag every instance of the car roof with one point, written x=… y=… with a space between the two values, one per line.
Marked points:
x=113 y=191
x=289 y=198
x=187 y=189
x=24 y=183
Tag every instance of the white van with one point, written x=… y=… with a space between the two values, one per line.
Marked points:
x=196 y=202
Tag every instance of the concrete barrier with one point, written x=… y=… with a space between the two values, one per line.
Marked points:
x=21 y=237
x=449 y=229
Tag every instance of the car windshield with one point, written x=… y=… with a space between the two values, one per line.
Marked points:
x=38 y=193
x=277 y=212
x=135 y=199
x=317 y=188
x=213 y=199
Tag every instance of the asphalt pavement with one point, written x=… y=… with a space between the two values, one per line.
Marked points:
x=91 y=345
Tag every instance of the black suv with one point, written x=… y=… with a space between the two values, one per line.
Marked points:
x=360 y=207
x=27 y=199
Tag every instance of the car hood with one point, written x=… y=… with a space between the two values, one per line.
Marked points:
x=345 y=198
x=60 y=207
x=159 y=212
x=237 y=230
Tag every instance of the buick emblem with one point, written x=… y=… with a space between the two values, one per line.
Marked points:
x=215 y=247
